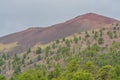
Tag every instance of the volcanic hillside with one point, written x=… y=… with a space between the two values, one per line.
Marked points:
x=30 y=37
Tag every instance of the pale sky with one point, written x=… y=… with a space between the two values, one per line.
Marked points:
x=17 y=15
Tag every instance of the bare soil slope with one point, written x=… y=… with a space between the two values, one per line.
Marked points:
x=28 y=38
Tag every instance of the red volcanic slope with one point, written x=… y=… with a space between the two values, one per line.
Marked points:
x=32 y=36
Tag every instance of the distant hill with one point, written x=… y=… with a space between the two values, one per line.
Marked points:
x=30 y=37
x=84 y=48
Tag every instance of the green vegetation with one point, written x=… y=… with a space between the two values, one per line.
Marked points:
x=68 y=59
x=110 y=34
x=2 y=78
x=38 y=50
x=75 y=39
x=76 y=69
x=29 y=50
x=100 y=40
x=87 y=35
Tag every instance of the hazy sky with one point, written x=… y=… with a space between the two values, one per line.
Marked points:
x=17 y=15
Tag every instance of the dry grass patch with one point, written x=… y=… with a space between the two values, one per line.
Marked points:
x=7 y=47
